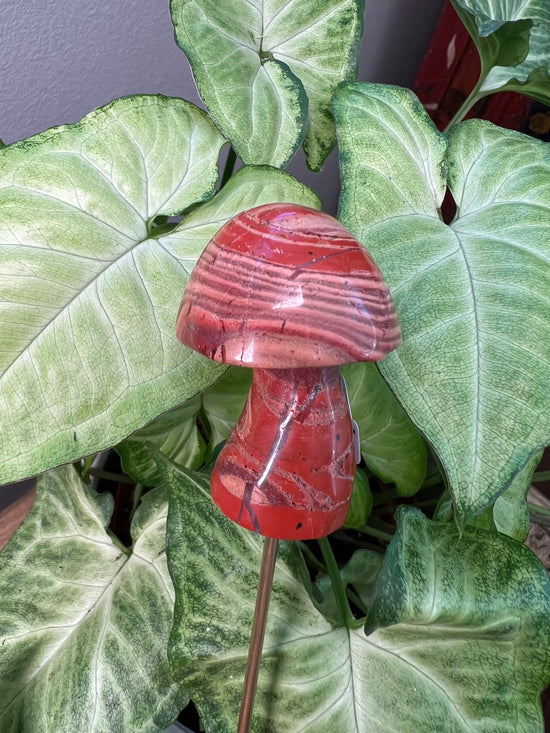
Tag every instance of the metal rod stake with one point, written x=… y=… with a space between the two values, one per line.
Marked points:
x=267 y=570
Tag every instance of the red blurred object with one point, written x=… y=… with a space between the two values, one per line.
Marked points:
x=288 y=291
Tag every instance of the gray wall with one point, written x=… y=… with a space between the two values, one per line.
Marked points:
x=59 y=60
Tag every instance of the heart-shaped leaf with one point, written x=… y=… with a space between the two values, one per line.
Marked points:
x=467 y=611
x=512 y=41
x=459 y=671
x=473 y=298
x=267 y=70
x=81 y=621
x=86 y=349
x=89 y=291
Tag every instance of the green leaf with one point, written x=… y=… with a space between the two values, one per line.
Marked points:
x=175 y=434
x=215 y=565
x=318 y=677
x=361 y=502
x=82 y=623
x=468 y=615
x=499 y=43
x=360 y=572
x=510 y=512
x=500 y=181
x=88 y=299
x=223 y=403
x=267 y=70
x=88 y=352
x=512 y=41
x=392 y=447
x=473 y=298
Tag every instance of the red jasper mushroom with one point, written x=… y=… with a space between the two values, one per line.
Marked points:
x=288 y=291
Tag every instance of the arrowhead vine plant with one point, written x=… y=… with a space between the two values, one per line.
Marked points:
x=426 y=612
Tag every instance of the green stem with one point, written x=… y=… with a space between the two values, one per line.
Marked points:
x=358 y=602
x=337 y=583
x=541 y=476
x=318 y=565
x=378 y=523
x=119 y=478
x=310 y=558
x=84 y=466
x=342 y=536
x=472 y=98
x=465 y=107
x=536 y=509
x=229 y=167
x=378 y=533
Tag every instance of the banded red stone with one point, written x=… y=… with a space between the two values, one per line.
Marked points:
x=288 y=291
x=282 y=286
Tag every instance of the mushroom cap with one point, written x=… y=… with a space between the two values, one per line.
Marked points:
x=282 y=286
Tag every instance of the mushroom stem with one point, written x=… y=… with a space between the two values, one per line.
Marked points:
x=287 y=469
